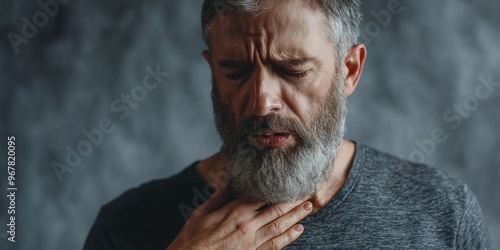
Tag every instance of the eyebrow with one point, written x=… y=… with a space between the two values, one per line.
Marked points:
x=294 y=62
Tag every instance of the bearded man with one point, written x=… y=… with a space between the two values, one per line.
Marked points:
x=285 y=176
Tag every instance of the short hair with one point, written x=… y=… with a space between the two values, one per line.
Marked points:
x=343 y=18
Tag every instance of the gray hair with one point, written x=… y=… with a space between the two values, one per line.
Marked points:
x=343 y=18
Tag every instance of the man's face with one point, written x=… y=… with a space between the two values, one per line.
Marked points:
x=279 y=100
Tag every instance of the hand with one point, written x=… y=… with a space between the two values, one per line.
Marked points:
x=238 y=225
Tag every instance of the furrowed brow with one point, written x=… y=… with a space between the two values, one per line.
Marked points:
x=286 y=63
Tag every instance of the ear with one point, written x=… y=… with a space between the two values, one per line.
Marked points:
x=208 y=56
x=353 y=66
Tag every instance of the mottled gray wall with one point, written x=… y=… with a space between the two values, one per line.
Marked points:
x=65 y=78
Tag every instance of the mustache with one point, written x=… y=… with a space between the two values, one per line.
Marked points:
x=272 y=123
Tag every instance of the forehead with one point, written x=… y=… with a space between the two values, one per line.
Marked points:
x=289 y=28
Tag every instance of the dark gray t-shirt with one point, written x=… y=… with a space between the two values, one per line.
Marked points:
x=389 y=203
x=386 y=203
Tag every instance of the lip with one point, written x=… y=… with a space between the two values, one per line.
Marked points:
x=269 y=139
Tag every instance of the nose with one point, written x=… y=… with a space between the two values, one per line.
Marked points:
x=266 y=93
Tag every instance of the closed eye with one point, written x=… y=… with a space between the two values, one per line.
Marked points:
x=239 y=74
x=293 y=74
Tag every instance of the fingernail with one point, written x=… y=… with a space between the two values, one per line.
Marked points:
x=307 y=206
x=299 y=228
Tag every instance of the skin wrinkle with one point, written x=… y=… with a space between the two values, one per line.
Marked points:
x=285 y=77
x=288 y=171
x=273 y=191
x=341 y=18
x=234 y=30
x=261 y=84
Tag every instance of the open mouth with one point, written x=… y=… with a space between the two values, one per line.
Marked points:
x=269 y=139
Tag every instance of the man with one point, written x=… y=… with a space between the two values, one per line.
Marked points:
x=285 y=177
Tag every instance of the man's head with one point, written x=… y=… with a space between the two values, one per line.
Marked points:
x=281 y=71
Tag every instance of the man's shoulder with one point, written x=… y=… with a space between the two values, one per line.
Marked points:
x=388 y=166
x=407 y=201
x=163 y=192
x=149 y=211
x=141 y=195
x=410 y=181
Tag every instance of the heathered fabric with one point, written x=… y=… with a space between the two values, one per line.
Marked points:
x=389 y=203
x=386 y=203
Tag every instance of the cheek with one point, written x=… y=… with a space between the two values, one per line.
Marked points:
x=315 y=89
x=233 y=97
x=237 y=101
x=304 y=99
x=300 y=103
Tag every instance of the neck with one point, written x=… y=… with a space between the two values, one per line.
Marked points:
x=326 y=191
x=211 y=168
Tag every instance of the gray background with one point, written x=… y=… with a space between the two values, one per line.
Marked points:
x=65 y=78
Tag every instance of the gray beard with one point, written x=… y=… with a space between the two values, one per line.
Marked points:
x=283 y=174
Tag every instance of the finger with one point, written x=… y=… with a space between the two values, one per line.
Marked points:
x=284 y=239
x=237 y=214
x=241 y=209
x=284 y=223
x=219 y=203
x=277 y=210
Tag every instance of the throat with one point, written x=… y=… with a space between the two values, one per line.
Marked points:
x=328 y=190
